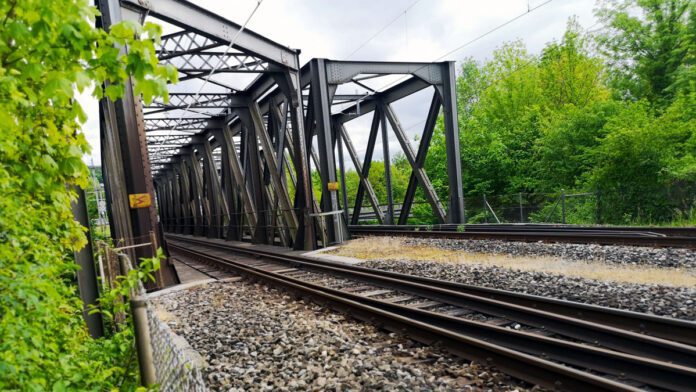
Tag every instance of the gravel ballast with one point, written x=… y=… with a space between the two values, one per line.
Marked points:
x=627 y=255
x=675 y=302
x=256 y=338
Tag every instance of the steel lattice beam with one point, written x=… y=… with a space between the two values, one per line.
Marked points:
x=204 y=62
x=182 y=43
x=202 y=100
x=165 y=124
x=175 y=139
x=201 y=21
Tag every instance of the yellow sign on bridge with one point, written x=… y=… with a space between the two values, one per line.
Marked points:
x=139 y=200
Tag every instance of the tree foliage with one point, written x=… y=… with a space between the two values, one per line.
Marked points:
x=515 y=97
x=650 y=47
x=48 y=51
x=620 y=124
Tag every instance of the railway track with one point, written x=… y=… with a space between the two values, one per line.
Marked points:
x=612 y=235
x=487 y=227
x=553 y=343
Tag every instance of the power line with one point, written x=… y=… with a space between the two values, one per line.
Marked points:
x=496 y=28
x=383 y=28
x=215 y=68
x=519 y=67
x=500 y=26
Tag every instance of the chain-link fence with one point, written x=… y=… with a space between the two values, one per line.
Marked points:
x=177 y=367
x=561 y=207
x=164 y=358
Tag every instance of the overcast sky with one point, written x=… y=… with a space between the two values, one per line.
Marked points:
x=422 y=30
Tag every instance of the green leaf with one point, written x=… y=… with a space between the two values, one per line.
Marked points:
x=125 y=30
x=58 y=86
x=113 y=91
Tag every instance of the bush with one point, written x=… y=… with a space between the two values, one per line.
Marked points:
x=49 y=49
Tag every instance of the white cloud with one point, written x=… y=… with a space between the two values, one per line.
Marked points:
x=333 y=29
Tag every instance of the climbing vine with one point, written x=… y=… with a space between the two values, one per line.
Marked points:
x=49 y=51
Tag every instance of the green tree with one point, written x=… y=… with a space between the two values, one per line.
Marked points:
x=644 y=165
x=48 y=50
x=650 y=46
x=576 y=107
x=470 y=83
x=564 y=150
x=569 y=74
x=510 y=106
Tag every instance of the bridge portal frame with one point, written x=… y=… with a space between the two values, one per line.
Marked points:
x=240 y=166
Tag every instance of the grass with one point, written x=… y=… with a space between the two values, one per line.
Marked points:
x=390 y=248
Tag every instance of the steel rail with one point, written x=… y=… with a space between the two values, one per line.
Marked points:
x=486 y=227
x=655 y=373
x=662 y=327
x=593 y=333
x=603 y=238
x=518 y=364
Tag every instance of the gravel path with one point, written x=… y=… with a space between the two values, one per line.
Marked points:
x=256 y=338
x=661 y=257
x=660 y=300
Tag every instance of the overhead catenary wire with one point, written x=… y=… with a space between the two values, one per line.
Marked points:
x=517 y=69
x=214 y=69
x=462 y=46
x=380 y=31
x=529 y=10
x=493 y=30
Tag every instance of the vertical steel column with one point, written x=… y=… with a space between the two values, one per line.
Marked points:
x=199 y=160
x=311 y=225
x=213 y=192
x=177 y=223
x=158 y=199
x=161 y=203
x=186 y=225
x=173 y=185
x=136 y=177
x=234 y=231
x=321 y=102
x=389 y=216
x=306 y=239
x=114 y=175
x=280 y=125
x=165 y=203
x=174 y=208
x=338 y=129
x=86 y=274
x=454 y=166
x=196 y=181
x=254 y=177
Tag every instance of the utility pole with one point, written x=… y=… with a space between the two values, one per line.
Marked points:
x=87 y=275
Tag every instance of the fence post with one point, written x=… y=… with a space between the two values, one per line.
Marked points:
x=141 y=328
x=521 y=208
x=563 y=206
x=485 y=207
x=153 y=240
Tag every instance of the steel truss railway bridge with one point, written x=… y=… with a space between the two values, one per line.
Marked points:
x=231 y=154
